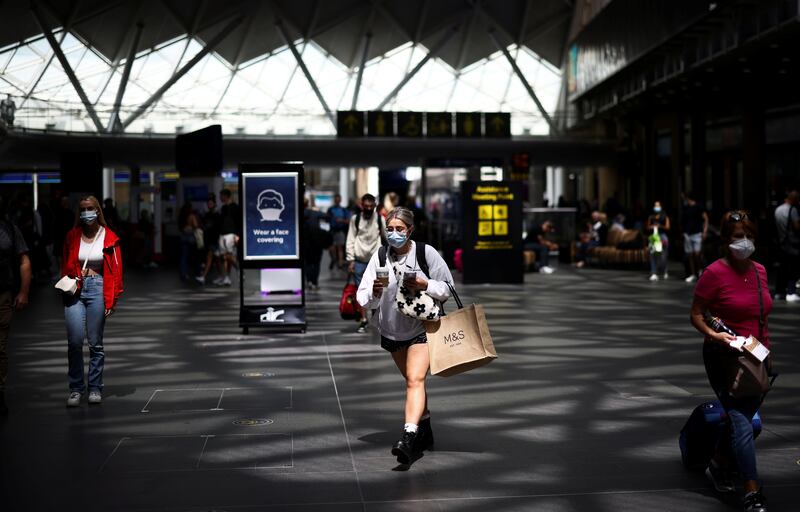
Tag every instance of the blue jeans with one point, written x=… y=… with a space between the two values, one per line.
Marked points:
x=188 y=245
x=542 y=254
x=359 y=272
x=658 y=260
x=85 y=316
x=740 y=415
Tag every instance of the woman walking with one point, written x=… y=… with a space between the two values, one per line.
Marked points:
x=658 y=227
x=188 y=224
x=401 y=335
x=734 y=289
x=92 y=256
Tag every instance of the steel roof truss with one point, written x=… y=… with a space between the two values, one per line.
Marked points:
x=62 y=59
x=282 y=30
x=182 y=71
x=114 y=123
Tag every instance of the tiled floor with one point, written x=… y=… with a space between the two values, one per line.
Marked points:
x=598 y=370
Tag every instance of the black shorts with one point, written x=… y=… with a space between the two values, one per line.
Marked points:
x=394 y=345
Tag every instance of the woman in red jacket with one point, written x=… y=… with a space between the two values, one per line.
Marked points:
x=92 y=255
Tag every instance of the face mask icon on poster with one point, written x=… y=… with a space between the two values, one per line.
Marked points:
x=270 y=205
x=742 y=249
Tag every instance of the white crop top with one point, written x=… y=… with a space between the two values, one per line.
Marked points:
x=96 y=256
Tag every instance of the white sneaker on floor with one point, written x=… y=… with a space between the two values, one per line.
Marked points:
x=546 y=270
x=653 y=277
x=200 y=279
x=218 y=281
x=74 y=399
x=95 y=397
x=665 y=276
x=793 y=297
x=691 y=279
x=226 y=281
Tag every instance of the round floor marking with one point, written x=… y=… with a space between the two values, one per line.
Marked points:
x=256 y=375
x=253 y=422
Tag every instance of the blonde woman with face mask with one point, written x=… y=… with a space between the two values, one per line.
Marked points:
x=402 y=336
x=92 y=256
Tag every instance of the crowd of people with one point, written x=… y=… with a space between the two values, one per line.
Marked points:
x=377 y=244
x=700 y=240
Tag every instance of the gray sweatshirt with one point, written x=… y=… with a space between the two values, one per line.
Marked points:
x=360 y=247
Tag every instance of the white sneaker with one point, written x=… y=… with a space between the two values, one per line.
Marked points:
x=653 y=277
x=74 y=399
x=200 y=279
x=665 y=276
x=793 y=297
x=226 y=281
x=95 y=397
x=218 y=281
x=546 y=270
x=691 y=279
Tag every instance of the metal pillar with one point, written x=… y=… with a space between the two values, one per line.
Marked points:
x=65 y=65
x=114 y=122
x=185 y=69
x=311 y=81
x=433 y=51
x=108 y=184
x=367 y=40
x=525 y=83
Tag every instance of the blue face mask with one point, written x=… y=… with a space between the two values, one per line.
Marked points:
x=397 y=239
x=657 y=209
x=88 y=216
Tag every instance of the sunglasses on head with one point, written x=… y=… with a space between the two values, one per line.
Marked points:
x=737 y=216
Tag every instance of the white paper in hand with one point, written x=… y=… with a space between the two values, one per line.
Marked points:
x=738 y=343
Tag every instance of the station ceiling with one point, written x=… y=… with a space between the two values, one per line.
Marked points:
x=338 y=26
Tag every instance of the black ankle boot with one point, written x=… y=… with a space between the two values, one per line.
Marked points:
x=425 y=435
x=405 y=449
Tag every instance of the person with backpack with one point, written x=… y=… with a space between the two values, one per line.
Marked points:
x=365 y=235
x=787 y=224
x=15 y=282
x=734 y=290
x=414 y=272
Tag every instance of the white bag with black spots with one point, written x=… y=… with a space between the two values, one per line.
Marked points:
x=414 y=303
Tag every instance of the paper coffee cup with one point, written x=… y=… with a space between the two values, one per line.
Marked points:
x=382 y=274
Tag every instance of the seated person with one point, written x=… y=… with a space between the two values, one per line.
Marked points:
x=537 y=241
x=595 y=236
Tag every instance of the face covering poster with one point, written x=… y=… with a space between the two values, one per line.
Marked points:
x=271 y=215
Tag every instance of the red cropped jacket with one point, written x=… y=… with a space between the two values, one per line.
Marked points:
x=112 y=264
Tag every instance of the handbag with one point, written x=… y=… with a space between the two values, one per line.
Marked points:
x=198 y=238
x=746 y=376
x=460 y=341
x=416 y=304
x=69 y=284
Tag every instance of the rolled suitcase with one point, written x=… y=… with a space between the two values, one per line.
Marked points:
x=699 y=436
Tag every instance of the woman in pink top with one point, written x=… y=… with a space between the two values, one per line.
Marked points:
x=729 y=289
